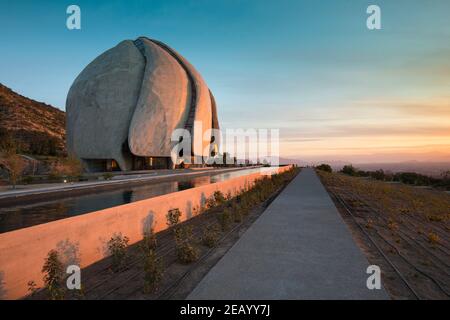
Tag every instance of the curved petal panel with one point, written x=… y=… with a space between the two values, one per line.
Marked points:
x=101 y=102
x=163 y=103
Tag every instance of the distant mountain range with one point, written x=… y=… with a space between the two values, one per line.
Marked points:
x=39 y=128
x=434 y=169
x=427 y=168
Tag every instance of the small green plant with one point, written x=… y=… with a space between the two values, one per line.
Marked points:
x=117 y=248
x=53 y=271
x=108 y=176
x=79 y=294
x=433 y=238
x=225 y=217
x=219 y=198
x=210 y=203
x=173 y=217
x=27 y=179
x=196 y=210
x=186 y=252
x=149 y=241
x=435 y=218
x=153 y=271
x=404 y=211
x=244 y=205
x=210 y=236
x=32 y=287
x=236 y=212
x=254 y=198
x=392 y=224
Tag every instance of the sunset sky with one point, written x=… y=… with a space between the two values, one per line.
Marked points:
x=336 y=90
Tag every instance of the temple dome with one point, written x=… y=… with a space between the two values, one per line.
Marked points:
x=127 y=102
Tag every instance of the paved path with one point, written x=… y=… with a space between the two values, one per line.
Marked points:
x=300 y=248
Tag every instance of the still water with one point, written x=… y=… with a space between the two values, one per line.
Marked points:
x=22 y=216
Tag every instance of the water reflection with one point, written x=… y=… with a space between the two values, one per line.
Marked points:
x=21 y=216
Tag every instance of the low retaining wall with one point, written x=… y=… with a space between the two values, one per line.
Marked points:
x=82 y=239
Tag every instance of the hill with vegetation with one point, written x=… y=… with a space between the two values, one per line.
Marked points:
x=35 y=127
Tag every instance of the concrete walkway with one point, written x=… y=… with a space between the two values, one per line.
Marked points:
x=300 y=248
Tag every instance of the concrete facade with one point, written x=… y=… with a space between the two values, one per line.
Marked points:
x=101 y=103
x=127 y=102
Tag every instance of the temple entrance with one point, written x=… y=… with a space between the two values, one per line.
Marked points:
x=151 y=163
x=101 y=165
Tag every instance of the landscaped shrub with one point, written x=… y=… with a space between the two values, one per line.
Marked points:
x=254 y=198
x=153 y=271
x=173 y=217
x=219 y=198
x=149 y=242
x=225 y=218
x=433 y=238
x=237 y=214
x=244 y=204
x=53 y=271
x=210 y=202
x=186 y=251
x=117 y=248
x=32 y=287
x=108 y=176
x=210 y=235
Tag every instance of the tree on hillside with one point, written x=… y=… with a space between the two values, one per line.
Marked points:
x=69 y=167
x=378 y=175
x=14 y=164
x=324 y=167
x=445 y=182
x=349 y=170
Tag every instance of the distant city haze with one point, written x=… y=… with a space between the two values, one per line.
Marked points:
x=337 y=91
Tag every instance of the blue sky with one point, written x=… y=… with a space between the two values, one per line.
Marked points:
x=310 y=68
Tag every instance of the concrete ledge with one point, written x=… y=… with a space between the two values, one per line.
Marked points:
x=57 y=187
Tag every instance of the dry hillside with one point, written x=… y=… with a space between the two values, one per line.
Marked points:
x=38 y=127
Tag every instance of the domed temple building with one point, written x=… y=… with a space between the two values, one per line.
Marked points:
x=124 y=106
